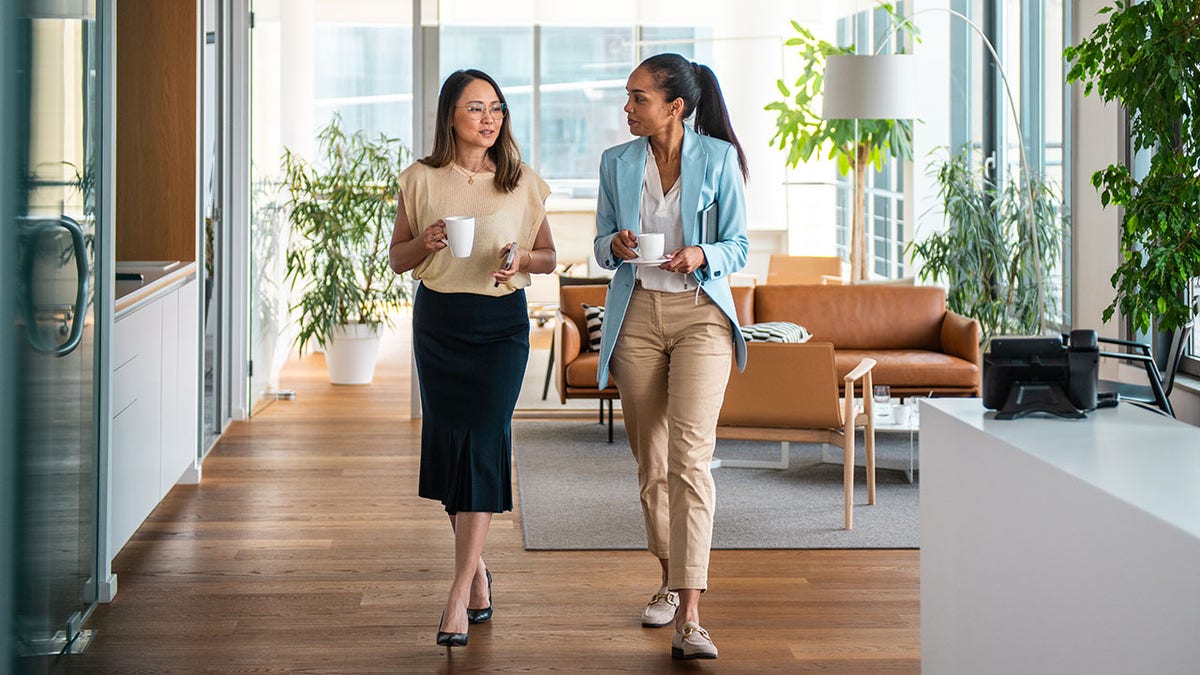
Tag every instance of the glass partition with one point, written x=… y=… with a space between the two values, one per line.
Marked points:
x=309 y=61
x=51 y=127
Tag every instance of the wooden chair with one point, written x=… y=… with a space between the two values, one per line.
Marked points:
x=804 y=269
x=789 y=392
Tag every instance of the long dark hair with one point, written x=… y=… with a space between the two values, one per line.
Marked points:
x=504 y=152
x=697 y=85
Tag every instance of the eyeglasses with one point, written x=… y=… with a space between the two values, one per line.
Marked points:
x=476 y=110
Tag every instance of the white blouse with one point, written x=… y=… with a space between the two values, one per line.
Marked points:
x=660 y=213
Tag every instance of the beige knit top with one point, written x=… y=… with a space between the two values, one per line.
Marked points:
x=430 y=194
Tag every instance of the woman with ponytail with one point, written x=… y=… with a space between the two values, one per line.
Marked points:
x=670 y=328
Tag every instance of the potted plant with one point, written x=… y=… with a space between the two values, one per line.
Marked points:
x=341 y=211
x=984 y=255
x=1145 y=58
x=802 y=132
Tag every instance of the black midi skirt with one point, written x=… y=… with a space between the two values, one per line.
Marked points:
x=471 y=351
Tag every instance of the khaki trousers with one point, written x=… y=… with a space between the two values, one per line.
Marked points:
x=671 y=365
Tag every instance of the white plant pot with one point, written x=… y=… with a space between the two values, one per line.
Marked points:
x=351 y=353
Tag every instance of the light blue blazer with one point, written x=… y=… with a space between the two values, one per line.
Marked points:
x=710 y=186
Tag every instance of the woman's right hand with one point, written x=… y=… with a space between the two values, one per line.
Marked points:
x=624 y=245
x=434 y=236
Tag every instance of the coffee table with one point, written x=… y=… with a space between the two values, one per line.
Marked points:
x=887 y=426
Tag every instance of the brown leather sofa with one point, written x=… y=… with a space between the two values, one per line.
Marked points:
x=920 y=347
x=577 y=364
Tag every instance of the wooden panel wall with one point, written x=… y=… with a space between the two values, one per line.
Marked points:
x=156 y=130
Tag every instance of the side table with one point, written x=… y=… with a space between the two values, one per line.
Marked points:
x=886 y=426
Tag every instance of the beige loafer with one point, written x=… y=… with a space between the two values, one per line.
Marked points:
x=691 y=641
x=661 y=609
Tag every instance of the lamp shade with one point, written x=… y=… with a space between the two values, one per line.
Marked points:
x=879 y=87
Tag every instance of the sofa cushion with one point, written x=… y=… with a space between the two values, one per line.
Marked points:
x=582 y=371
x=774 y=331
x=911 y=368
x=593 y=315
x=858 y=317
x=571 y=300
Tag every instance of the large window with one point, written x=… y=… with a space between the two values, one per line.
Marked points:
x=364 y=73
x=581 y=79
x=506 y=54
x=1191 y=360
x=565 y=86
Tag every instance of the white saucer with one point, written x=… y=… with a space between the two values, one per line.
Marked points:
x=639 y=261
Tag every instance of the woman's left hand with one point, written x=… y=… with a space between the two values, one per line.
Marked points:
x=686 y=260
x=503 y=276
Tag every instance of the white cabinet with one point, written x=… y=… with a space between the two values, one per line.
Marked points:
x=155 y=357
x=180 y=391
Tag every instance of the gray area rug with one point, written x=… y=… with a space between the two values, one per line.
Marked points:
x=579 y=492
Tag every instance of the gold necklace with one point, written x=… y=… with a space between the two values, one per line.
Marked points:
x=470 y=174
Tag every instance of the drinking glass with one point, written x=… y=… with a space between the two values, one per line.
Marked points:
x=882 y=395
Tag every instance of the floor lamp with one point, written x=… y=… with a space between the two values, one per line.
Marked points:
x=882 y=86
x=867 y=87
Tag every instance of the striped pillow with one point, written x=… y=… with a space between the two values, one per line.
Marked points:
x=593 y=315
x=775 y=331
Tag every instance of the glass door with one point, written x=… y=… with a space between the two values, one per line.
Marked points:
x=282 y=60
x=309 y=63
x=51 y=80
x=216 y=268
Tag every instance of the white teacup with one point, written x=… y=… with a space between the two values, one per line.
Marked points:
x=651 y=245
x=460 y=235
x=901 y=414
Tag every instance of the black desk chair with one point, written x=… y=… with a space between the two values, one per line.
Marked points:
x=1159 y=371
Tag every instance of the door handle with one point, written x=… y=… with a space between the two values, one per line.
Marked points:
x=33 y=229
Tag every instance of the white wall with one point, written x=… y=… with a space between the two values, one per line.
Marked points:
x=1096 y=129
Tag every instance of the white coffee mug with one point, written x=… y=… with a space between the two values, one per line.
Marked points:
x=460 y=235
x=900 y=413
x=651 y=245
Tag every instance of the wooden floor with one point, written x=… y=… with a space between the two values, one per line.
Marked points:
x=304 y=548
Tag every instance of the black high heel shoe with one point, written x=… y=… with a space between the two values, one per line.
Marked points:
x=450 y=639
x=482 y=615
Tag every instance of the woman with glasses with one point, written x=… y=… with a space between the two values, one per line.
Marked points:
x=670 y=328
x=470 y=323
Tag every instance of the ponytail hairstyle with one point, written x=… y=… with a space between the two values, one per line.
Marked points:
x=697 y=85
x=504 y=152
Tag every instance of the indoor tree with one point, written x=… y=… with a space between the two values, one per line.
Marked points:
x=341 y=209
x=985 y=254
x=855 y=144
x=1146 y=57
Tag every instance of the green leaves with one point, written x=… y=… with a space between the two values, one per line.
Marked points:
x=1147 y=58
x=985 y=254
x=801 y=132
x=341 y=216
x=1160 y=242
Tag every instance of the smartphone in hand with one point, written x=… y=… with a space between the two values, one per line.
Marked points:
x=508 y=260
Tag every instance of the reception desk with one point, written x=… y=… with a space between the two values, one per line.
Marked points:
x=1059 y=546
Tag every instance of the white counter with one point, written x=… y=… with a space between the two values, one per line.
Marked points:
x=1059 y=546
